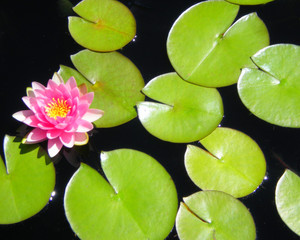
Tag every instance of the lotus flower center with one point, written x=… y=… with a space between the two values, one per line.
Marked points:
x=57 y=108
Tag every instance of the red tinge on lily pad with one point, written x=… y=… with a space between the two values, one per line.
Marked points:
x=58 y=113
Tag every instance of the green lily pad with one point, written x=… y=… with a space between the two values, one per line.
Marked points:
x=208 y=215
x=139 y=201
x=26 y=183
x=249 y=2
x=287 y=198
x=205 y=50
x=233 y=163
x=105 y=25
x=115 y=81
x=187 y=113
x=273 y=92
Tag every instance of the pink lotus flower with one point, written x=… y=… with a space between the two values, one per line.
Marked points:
x=59 y=112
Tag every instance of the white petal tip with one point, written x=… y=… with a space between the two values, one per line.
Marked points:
x=93 y=114
x=54 y=146
x=57 y=78
x=22 y=115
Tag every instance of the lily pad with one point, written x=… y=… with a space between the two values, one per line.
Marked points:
x=26 y=183
x=249 y=2
x=205 y=50
x=287 y=199
x=272 y=92
x=187 y=113
x=105 y=25
x=139 y=201
x=233 y=163
x=208 y=215
x=115 y=81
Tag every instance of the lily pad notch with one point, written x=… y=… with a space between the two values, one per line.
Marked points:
x=26 y=182
x=206 y=50
x=232 y=163
x=137 y=201
x=103 y=25
x=184 y=112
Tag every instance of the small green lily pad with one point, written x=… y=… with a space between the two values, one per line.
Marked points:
x=187 y=113
x=139 y=201
x=233 y=163
x=205 y=50
x=26 y=183
x=105 y=25
x=208 y=215
x=287 y=198
x=115 y=81
x=273 y=92
x=249 y=2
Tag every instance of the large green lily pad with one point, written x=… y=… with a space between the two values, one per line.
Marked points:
x=139 y=201
x=26 y=183
x=208 y=215
x=187 y=112
x=233 y=163
x=115 y=81
x=287 y=199
x=249 y=2
x=272 y=92
x=105 y=25
x=205 y=50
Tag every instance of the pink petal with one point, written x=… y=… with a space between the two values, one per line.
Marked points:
x=36 y=135
x=81 y=138
x=50 y=119
x=37 y=85
x=69 y=101
x=22 y=115
x=30 y=102
x=71 y=83
x=41 y=117
x=73 y=110
x=42 y=103
x=68 y=119
x=65 y=92
x=45 y=126
x=54 y=133
x=56 y=93
x=52 y=85
x=39 y=105
x=76 y=101
x=31 y=121
x=75 y=92
x=87 y=97
x=63 y=121
x=71 y=128
x=61 y=125
x=39 y=93
x=50 y=93
x=67 y=139
x=54 y=146
x=92 y=115
x=60 y=120
x=84 y=126
x=82 y=109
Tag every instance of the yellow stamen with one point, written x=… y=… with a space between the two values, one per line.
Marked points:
x=57 y=108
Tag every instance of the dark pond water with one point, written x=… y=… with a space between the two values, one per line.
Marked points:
x=34 y=40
